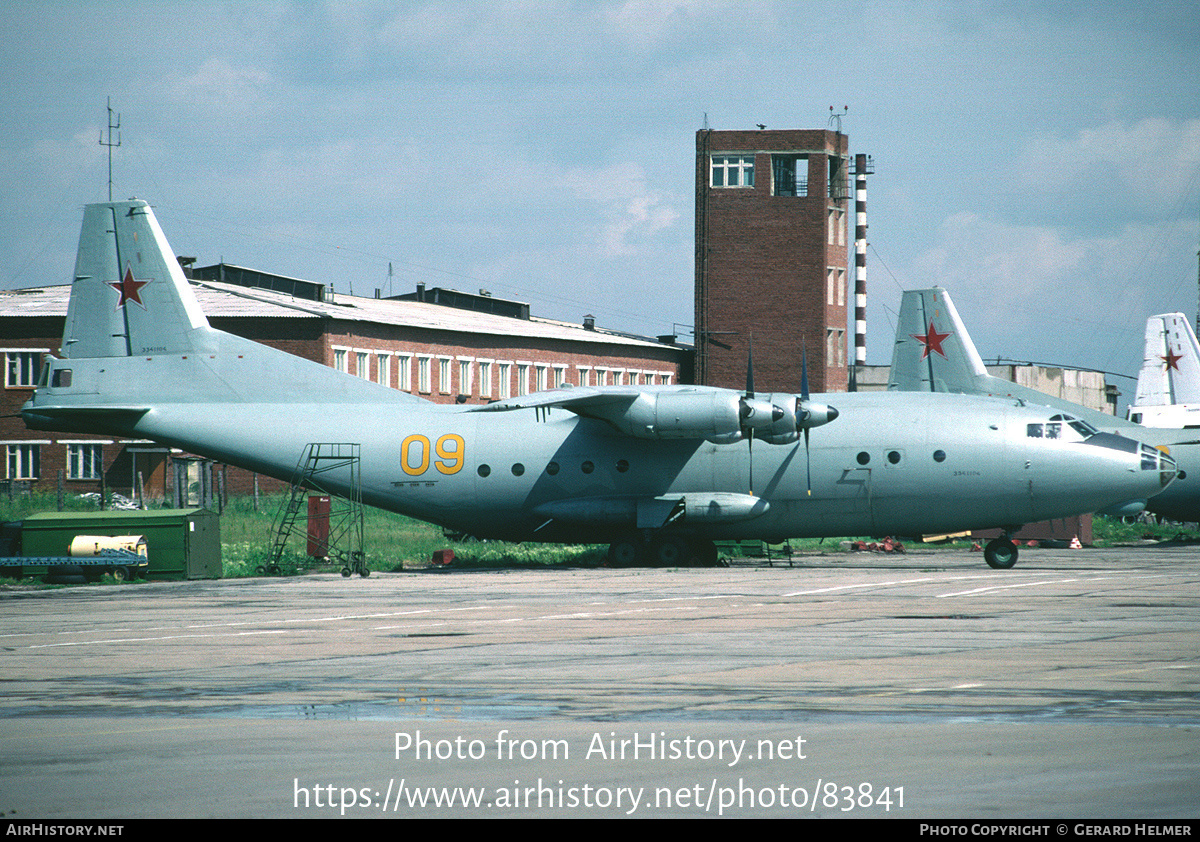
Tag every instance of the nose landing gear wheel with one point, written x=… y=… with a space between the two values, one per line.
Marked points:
x=1000 y=553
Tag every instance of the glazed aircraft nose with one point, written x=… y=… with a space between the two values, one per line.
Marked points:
x=1167 y=469
x=1134 y=468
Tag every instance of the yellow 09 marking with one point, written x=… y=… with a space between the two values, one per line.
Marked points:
x=450 y=450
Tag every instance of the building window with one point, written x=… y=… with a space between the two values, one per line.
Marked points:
x=732 y=171
x=405 y=365
x=362 y=365
x=339 y=361
x=485 y=379
x=85 y=461
x=789 y=175
x=423 y=374
x=505 y=379
x=464 y=377
x=666 y=379
x=22 y=369
x=841 y=287
x=560 y=376
x=522 y=378
x=585 y=375
x=384 y=369
x=24 y=461
x=835 y=348
x=444 y=375
x=837 y=227
x=541 y=379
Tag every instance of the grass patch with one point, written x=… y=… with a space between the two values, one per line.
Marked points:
x=391 y=542
x=1111 y=531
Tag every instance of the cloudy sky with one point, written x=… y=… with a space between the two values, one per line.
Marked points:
x=1039 y=160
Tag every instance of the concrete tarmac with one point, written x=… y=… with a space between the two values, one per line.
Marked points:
x=922 y=685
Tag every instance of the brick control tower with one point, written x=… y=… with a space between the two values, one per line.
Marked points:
x=771 y=258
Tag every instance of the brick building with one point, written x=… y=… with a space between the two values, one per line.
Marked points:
x=771 y=258
x=443 y=353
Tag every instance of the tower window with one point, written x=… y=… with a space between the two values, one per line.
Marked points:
x=733 y=171
x=789 y=175
x=839 y=186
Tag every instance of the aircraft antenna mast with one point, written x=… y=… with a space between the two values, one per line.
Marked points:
x=109 y=143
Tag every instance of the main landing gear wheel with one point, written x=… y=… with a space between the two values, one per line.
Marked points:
x=1000 y=553
x=669 y=552
x=625 y=552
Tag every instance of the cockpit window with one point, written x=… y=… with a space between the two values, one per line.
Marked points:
x=1057 y=427
x=1083 y=428
x=1044 y=431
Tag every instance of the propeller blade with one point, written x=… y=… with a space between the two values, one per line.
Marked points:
x=750 y=445
x=750 y=370
x=804 y=374
x=808 y=462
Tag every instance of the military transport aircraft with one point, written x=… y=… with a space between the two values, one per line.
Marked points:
x=660 y=472
x=934 y=353
x=1168 y=387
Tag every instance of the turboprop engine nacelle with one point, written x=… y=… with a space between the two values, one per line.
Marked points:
x=796 y=415
x=721 y=417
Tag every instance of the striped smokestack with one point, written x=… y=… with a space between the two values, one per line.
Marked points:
x=863 y=166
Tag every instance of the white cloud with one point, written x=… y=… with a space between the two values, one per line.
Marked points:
x=1152 y=161
x=631 y=211
x=217 y=83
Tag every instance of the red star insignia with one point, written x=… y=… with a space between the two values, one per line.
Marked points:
x=932 y=340
x=1172 y=360
x=130 y=289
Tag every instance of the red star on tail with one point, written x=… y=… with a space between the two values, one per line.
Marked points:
x=1172 y=360
x=932 y=341
x=130 y=289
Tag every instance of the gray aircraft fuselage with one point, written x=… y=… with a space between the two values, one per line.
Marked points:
x=140 y=360
x=890 y=464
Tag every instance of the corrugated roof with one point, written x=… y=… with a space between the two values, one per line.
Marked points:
x=229 y=300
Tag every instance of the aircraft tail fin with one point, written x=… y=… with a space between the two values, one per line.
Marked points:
x=129 y=296
x=933 y=351
x=1171 y=367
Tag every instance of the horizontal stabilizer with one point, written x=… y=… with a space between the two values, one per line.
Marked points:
x=84 y=419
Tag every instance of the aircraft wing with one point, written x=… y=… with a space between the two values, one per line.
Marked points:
x=588 y=401
x=681 y=412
